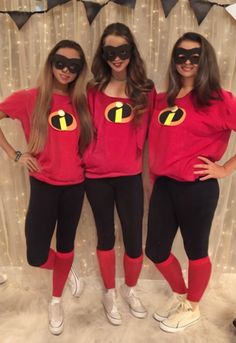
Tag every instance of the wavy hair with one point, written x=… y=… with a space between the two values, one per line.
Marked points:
x=138 y=85
x=207 y=81
x=77 y=91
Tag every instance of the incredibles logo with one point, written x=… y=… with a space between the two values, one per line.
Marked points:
x=62 y=121
x=119 y=112
x=172 y=116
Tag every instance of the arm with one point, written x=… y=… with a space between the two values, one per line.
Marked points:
x=4 y=143
x=210 y=169
x=26 y=159
x=226 y=121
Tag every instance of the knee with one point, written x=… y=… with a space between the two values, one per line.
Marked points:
x=134 y=254
x=134 y=251
x=149 y=254
x=196 y=255
x=197 y=252
x=36 y=260
x=105 y=245
x=156 y=255
x=106 y=242
x=133 y=245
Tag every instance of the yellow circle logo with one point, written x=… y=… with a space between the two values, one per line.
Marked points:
x=62 y=121
x=119 y=112
x=172 y=116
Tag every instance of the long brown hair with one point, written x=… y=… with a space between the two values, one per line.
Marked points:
x=138 y=85
x=207 y=81
x=42 y=107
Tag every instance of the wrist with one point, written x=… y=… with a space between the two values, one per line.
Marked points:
x=17 y=155
x=228 y=170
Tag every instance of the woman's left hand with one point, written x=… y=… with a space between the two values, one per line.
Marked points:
x=209 y=169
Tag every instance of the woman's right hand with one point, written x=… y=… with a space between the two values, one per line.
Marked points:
x=30 y=162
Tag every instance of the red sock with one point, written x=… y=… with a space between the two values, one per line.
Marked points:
x=171 y=270
x=62 y=266
x=107 y=264
x=49 y=264
x=199 y=273
x=132 y=268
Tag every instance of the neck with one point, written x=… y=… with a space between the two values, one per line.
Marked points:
x=60 y=89
x=187 y=83
x=120 y=79
x=120 y=76
x=56 y=91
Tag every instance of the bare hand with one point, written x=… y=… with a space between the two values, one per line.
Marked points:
x=29 y=162
x=209 y=169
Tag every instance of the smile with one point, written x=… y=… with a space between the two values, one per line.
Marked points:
x=187 y=68
x=117 y=64
x=65 y=77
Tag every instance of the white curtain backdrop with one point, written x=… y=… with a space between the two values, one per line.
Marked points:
x=22 y=54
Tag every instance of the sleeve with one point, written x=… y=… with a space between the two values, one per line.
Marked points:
x=15 y=106
x=229 y=111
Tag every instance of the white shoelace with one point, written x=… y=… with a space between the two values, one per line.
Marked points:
x=184 y=305
x=133 y=298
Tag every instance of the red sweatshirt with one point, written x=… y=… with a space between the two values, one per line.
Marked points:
x=178 y=135
x=60 y=161
x=118 y=144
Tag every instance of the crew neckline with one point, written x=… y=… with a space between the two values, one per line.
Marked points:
x=114 y=97
x=59 y=94
x=184 y=96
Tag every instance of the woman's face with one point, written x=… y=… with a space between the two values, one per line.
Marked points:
x=186 y=57
x=117 y=53
x=66 y=65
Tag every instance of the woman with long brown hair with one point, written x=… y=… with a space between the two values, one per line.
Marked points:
x=120 y=98
x=189 y=132
x=57 y=127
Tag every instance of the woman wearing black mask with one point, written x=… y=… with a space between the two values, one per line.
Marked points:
x=120 y=98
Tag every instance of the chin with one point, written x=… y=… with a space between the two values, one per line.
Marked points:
x=118 y=69
x=65 y=82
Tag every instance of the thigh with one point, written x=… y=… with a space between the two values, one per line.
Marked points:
x=100 y=194
x=69 y=211
x=196 y=207
x=40 y=220
x=129 y=204
x=162 y=222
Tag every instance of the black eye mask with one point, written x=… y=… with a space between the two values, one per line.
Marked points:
x=182 y=55
x=74 y=65
x=122 y=51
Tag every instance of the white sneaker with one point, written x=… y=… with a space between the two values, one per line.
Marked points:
x=184 y=317
x=135 y=305
x=56 y=318
x=110 y=307
x=169 y=307
x=3 y=278
x=76 y=284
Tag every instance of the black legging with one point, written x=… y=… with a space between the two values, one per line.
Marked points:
x=188 y=205
x=50 y=205
x=126 y=192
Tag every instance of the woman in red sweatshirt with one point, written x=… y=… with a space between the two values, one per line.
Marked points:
x=120 y=99
x=189 y=131
x=57 y=127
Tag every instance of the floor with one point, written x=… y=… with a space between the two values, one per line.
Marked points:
x=23 y=313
